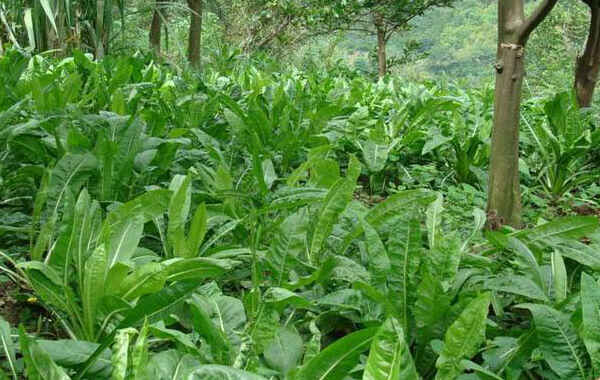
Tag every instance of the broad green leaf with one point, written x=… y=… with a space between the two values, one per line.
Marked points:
x=197 y=231
x=389 y=357
x=334 y=204
x=519 y=285
x=463 y=338
x=150 y=307
x=570 y=227
x=171 y=365
x=179 y=209
x=69 y=174
x=7 y=347
x=379 y=262
x=284 y=297
x=590 y=302
x=184 y=340
x=72 y=353
x=379 y=214
x=38 y=364
x=197 y=268
x=219 y=344
x=149 y=278
x=404 y=249
x=375 y=155
x=558 y=341
x=219 y=372
x=94 y=282
x=336 y=361
x=284 y=351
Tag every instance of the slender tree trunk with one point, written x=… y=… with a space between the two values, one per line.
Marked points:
x=155 y=29
x=195 y=37
x=381 y=45
x=381 y=53
x=504 y=196
x=587 y=66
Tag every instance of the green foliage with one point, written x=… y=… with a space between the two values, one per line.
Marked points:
x=265 y=223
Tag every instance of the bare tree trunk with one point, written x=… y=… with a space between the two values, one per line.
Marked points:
x=155 y=27
x=504 y=196
x=381 y=45
x=587 y=66
x=195 y=37
x=381 y=53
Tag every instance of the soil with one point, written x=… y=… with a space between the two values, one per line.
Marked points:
x=586 y=210
x=10 y=308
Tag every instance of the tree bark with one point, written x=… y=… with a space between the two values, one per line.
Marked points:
x=195 y=36
x=155 y=36
x=587 y=66
x=504 y=195
x=381 y=45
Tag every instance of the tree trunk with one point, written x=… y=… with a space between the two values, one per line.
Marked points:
x=155 y=36
x=504 y=196
x=194 y=41
x=381 y=53
x=587 y=65
x=381 y=44
x=504 y=200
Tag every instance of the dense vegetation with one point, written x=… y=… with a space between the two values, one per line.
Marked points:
x=264 y=214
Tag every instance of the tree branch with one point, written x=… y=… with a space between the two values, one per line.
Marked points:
x=535 y=19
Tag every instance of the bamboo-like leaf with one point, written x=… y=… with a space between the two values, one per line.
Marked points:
x=559 y=277
x=390 y=356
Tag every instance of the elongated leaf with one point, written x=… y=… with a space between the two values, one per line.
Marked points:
x=179 y=209
x=434 y=220
x=559 y=277
x=50 y=14
x=120 y=354
x=7 y=347
x=148 y=278
x=196 y=268
x=379 y=262
x=389 y=208
x=390 y=356
x=38 y=364
x=336 y=361
x=72 y=353
x=463 y=338
x=334 y=204
x=197 y=231
x=284 y=351
x=558 y=341
x=519 y=285
x=404 y=250
x=590 y=302
x=149 y=307
x=68 y=175
x=571 y=227
x=218 y=372
x=94 y=282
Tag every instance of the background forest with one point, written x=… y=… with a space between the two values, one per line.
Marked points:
x=299 y=189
